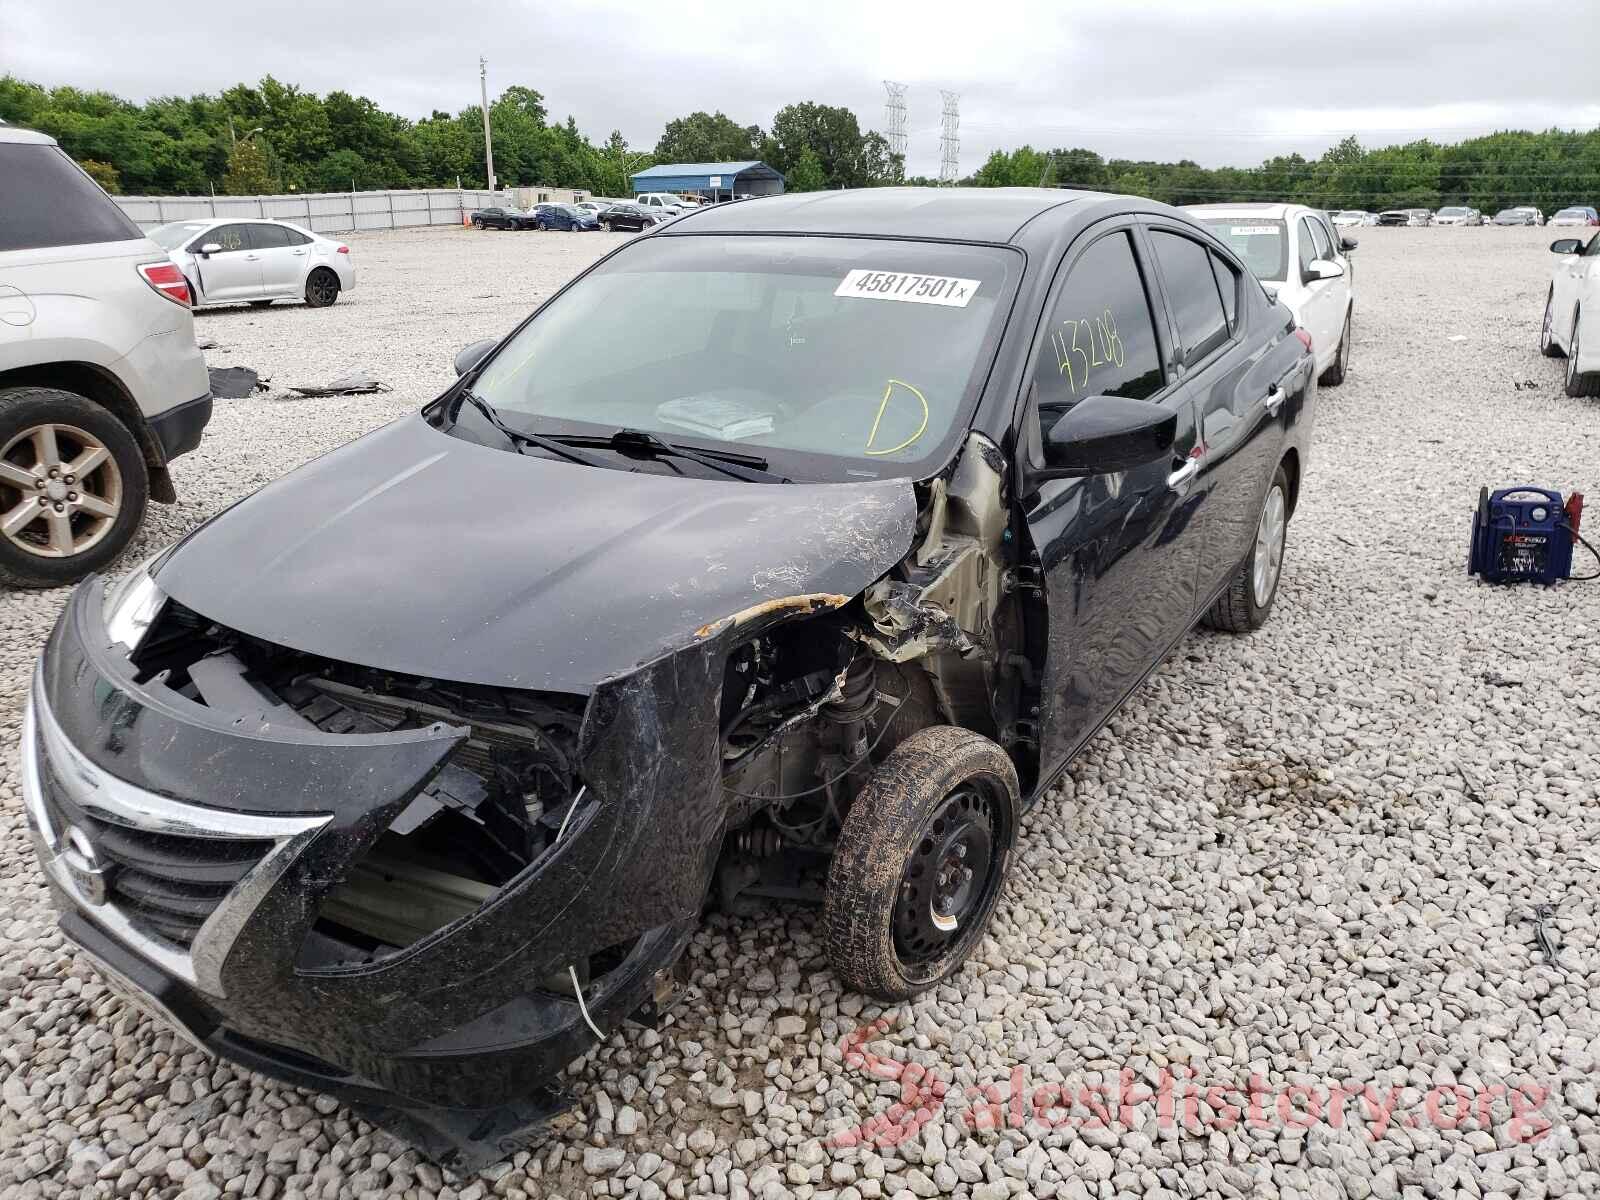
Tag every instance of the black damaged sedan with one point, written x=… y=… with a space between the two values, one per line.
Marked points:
x=796 y=577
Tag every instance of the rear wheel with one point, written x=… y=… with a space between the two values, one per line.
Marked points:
x=1579 y=383
x=73 y=487
x=477 y=224
x=322 y=288
x=1547 y=345
x=920 y=863
x=1334 y=375
x=1247 y=601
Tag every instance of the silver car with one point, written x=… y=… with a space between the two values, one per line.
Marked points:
x=236 y=261
x=101 y=384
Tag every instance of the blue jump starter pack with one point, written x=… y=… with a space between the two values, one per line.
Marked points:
x=1524 y=533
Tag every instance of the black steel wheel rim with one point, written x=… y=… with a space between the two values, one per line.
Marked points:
x=949 y=878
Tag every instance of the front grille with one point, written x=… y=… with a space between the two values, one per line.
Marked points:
x=165 y=884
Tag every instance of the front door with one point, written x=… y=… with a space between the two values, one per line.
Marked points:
x=1118 y=552
x=232 y=272
x=1325 y=298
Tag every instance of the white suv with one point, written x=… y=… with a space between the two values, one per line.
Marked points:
x=1301 y=259
x=101 y=384
x=662 y=204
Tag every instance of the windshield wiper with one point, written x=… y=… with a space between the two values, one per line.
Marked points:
x=517 y=438
x=749 y=467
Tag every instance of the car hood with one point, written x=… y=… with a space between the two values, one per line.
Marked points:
x=414 y=551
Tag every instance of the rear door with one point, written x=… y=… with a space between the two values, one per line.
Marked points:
x=1118 y=552
x=283 y=258
x=1236 y=391
x=233 y=270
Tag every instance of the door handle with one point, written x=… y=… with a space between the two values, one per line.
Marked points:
x=301 y=252
x=1274 y=400
x=251 y=257
x=1180 y=479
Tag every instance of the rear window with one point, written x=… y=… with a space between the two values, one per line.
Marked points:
x=45 y=200
x=1261 y=242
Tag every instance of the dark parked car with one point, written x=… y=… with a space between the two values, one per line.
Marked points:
x=1517 y=216
x=808 y=592
x=625 y=216
x=564 y=216
x=502 y=218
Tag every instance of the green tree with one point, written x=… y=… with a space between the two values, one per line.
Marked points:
x=832 y=134
x=708 y=137
x=806 y=175
x=1023 y=167
x=103 y=173
x=249 y=170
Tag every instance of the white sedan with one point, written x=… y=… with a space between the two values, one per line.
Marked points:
x=1571 y=326
x=241 y=261
x=1303 y=261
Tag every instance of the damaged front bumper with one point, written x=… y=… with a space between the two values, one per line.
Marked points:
x=190 y=851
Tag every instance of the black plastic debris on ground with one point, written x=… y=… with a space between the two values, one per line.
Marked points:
x=234 y=383
x=357 y=383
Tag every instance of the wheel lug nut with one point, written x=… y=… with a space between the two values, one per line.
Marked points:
x=54 y=472
x=68 y=479
x=38 y=485
x=43 y=501
x=61 y=508
x=73 y=496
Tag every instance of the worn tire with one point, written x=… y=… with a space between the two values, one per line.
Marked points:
x=22 y=408
x=1334 y=375
x=1576 y=384
x=317 y=297
x=1547 y=345
x=1237 y=609
x=886 y=823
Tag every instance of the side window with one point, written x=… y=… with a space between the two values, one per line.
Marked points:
x=269 y=237
x=1592 y=250
x=1101 y=338
x=1329 y=232
x=296 y=238
x=1320 y=237
x=1228 y=285
x=1192 y=292
x=47 y=200
x=1307 y=248
x=229 y=237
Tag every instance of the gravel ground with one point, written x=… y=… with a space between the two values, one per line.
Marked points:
x=1297 y=861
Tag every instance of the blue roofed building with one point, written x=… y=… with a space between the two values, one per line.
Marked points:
x=714 y=181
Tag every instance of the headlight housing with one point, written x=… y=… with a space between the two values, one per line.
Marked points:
x=132 y=604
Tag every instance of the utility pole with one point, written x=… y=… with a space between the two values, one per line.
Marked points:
x=488 y=143
x=950 y=138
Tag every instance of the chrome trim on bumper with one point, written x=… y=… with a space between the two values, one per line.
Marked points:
x=117 y=802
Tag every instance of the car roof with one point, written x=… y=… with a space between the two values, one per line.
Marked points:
x=955 y=214
x=15 y=133
x=1244 y=210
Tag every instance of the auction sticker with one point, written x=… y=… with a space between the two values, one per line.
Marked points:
x=908 y=286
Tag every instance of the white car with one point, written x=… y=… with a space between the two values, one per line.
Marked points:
x=1302 y=260
x=1571 y=326
x=662 y=202
x=101 y=384
x=1349 y=217
x=1458 y=215
x=1578 y=214
x=237 y=261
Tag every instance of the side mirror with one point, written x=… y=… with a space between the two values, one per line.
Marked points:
x=470 y=356
x=1102 y=434
x=1347 y=245
x=209 y=249
x=1566 y=246
x=1325 y=269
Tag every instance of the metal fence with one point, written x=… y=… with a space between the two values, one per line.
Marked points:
x=321 y=212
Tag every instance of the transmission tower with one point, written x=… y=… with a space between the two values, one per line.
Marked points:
x=950 y=138
x=894 y=116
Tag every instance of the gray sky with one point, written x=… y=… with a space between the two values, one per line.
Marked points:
x=1221 y=81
